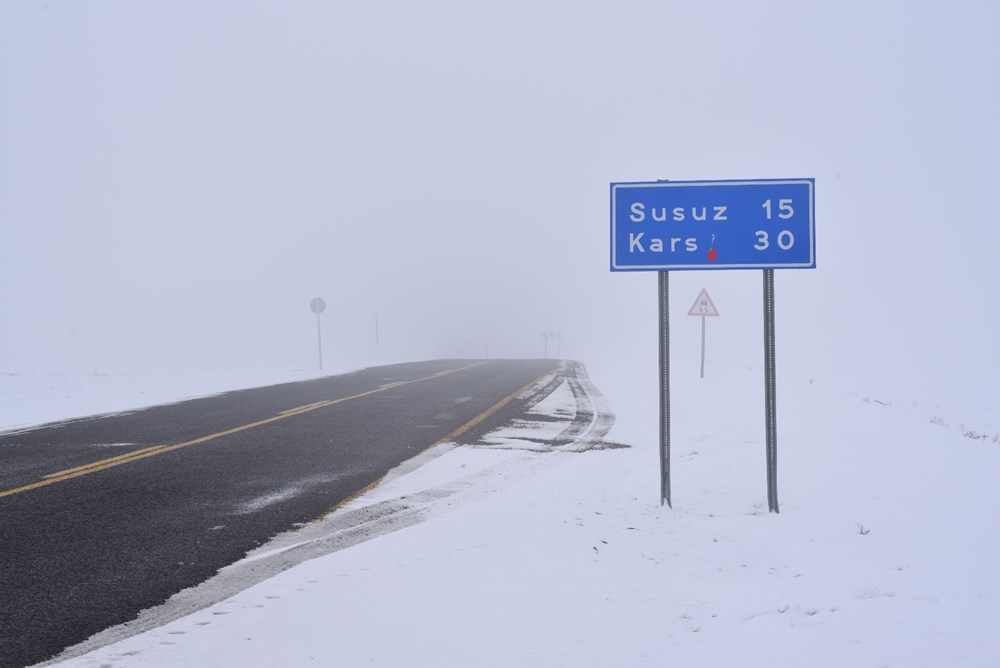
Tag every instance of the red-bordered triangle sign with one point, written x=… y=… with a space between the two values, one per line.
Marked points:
x=703 y=305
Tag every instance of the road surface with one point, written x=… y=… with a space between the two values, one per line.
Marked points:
x=103 y=517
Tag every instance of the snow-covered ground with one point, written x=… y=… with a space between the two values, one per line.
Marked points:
x=883 y=554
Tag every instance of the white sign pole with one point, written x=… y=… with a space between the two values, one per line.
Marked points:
x=319 y=341
x=702 y=346
x=317 y=306
x=703 y=307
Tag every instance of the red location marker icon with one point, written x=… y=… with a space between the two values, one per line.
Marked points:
x=713 y=253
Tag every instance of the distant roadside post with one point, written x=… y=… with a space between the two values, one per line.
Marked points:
x=764 y=224
x=317 y=306
x=547 y=336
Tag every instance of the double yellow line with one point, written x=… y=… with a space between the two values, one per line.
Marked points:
x=111 y=462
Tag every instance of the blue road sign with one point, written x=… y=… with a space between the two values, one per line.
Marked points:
x=758 y=224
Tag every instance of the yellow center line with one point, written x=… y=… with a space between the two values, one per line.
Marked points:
x=128 y=455
x=303 y=409
x=389 y=386
x=111 y=462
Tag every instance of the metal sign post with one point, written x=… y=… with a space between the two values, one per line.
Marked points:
x=770 y=400
x=317 y=306
x=763 y=224
x=664 y=295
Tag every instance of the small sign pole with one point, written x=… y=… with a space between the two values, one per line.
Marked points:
x=319 y=342
x=664 y=295
x=317 y=306
x=703 y=307
x=702 y=346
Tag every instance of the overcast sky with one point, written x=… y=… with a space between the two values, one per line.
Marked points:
x=178 y=179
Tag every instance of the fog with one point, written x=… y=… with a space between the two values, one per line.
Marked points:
x=179 y=179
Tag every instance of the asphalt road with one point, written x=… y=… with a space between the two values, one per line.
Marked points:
x=103 y=517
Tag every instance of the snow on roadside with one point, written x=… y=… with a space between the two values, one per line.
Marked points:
x=883 y=554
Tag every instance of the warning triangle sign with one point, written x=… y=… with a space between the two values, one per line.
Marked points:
x=703 y=305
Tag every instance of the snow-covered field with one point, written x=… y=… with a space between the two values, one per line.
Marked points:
x=883 y=554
